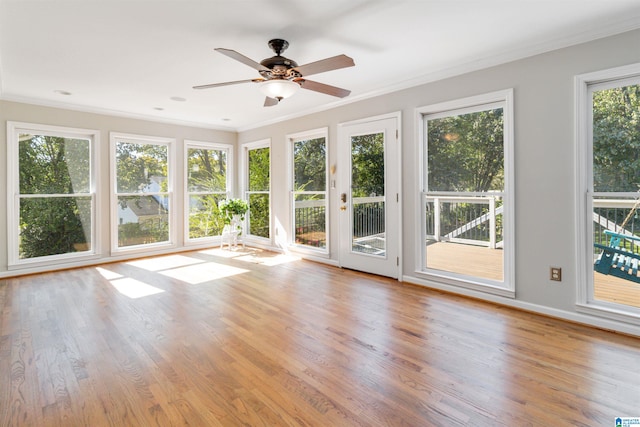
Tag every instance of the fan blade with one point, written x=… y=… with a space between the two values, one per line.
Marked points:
x=270 y=102
x=228 y=83
x=333 y=63
x=241 y=58
x=323 y=88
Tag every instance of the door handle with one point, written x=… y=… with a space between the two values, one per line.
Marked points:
x=343 y=197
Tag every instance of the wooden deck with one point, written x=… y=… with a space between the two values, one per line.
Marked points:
x=487 y=263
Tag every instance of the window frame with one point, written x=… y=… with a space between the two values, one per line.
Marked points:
x=585 y=84
x=505 y=100
x=292 y=139
x=190 y=144
x=14 y=196
x=244 y=182
x=170 y=143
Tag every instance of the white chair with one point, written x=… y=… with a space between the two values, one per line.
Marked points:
x=231 y=233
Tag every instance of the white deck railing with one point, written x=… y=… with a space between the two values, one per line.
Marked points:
x=471 y=227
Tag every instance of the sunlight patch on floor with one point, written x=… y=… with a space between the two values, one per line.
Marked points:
x=196 y=274
x=253 y=255
x=164 y=262
x=133 y=288
x=227 y=253
x=108 y=274
x=269 y=261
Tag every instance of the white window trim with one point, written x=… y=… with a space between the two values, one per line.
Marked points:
x=13 y=206
x=584 y=83
x=474 y=103
x=244 y=177
x=115 y=137
x=293 y=138
x=190 y=144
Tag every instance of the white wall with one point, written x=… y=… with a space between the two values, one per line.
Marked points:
x=545 y=181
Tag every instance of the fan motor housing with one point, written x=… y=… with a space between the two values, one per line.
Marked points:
x=278 y=60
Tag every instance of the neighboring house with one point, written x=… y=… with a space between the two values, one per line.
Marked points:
x=145 y=209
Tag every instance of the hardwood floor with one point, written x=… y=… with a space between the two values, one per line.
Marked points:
x=220 y=338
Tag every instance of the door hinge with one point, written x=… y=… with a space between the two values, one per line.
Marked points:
x=397 y=198
x=397 y=261
x=397 y=134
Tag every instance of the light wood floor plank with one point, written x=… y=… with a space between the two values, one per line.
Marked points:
x=223 y=338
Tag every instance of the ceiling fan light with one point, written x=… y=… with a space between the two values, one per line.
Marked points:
x=279 y=88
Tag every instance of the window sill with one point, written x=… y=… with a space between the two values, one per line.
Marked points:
x=448 y=283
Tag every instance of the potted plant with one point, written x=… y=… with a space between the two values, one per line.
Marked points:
x=233 y=212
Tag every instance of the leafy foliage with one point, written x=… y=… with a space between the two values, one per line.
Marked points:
x=51 y=165
x=309 y=185
x=233 y=207
x=309 y=161
x=137 y=163
x=465 y=152
x=207 y=176
x=259 y=216
x=616 y=139
x=207 y=169
x=259 y=161
x=367 y=165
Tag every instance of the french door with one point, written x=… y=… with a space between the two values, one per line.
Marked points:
x=369 y=208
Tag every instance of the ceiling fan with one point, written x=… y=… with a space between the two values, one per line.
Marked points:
x=281 y=77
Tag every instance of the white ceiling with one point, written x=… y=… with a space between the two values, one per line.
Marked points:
x=135 y=58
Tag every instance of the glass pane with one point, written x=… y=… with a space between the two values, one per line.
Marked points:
x=616 y=169
x=465 y=237
x=207 y=170
x=465 y=152
x=259 y=169
x=54 y=225
x=309 y=161
x=142 y=220
x=204 y=218
x=616 y=227
x=616 y=139
x=310 y=218
x=54 y=165
x=367 y=194
x=259 y=214
x=367 y=165
x=141 y=168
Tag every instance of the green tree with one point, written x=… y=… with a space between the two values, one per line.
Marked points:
x=207 y=175
x=136 y=164
x=616 y=157
x=140 y=166
x=310 y=160
x=51 y=165
x=465 y=152
x=259 y=161
x=309 y=184
x=367 y=165
x=616 y=139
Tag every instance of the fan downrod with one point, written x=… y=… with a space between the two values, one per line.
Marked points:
x=278 y=45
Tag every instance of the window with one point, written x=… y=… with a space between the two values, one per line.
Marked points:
x=257 y=188
x=143 y=200
x=208 y=183
x=309 y=189
x=608 y=140
x=51 y=211
x=466 y=203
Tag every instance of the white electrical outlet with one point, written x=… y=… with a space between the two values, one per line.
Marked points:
x=556 y=274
